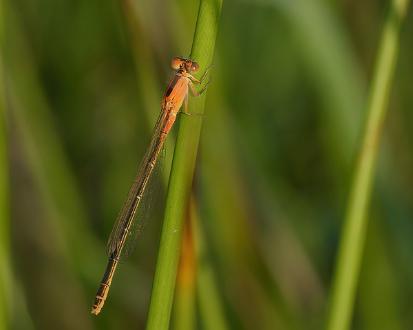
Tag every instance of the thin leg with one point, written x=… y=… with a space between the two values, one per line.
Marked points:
x=199 y=81
x=193 y=79
x=206 y=72
x=195 y=93
x=186 y=105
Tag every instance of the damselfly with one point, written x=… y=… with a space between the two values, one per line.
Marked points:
x=175 y=95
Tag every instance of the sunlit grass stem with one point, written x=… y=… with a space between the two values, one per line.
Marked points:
x=182 y=172
x=354 y=230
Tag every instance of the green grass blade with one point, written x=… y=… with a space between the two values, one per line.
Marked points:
x=327 y=53
x=4 y=210
x=46 y=157
x=354 y=231
x=183 y=167
x=210 y=302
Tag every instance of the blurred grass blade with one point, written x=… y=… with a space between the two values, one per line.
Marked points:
x=384 y=310
x=22 y=319
x=354 y=230
x=144 y=60
x=182 y=172
x=149 y=89
x=210 y=304
x=45 y=153
x=327 y=52
x=45 y=159
x=231 y=234
x=184 y=307
x=5 y=280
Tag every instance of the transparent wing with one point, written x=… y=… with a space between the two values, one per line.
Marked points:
x=145 y=211
x=122 y=229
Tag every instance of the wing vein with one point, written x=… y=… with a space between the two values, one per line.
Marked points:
x=125 y=218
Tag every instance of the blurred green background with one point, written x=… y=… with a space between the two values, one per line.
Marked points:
x=82 y=83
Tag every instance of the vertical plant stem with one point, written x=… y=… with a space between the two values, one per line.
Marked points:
x=184 y=306
x=182 y=172
x=354 y=230
x=4 y=210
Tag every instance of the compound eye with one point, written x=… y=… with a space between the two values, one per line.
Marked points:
x=194 y=67
x=176 y=63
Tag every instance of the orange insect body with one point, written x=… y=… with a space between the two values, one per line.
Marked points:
x=173 y=101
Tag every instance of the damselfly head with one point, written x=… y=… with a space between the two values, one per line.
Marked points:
x=183 y=63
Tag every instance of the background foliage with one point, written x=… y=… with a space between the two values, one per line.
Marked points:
x=83 y=82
